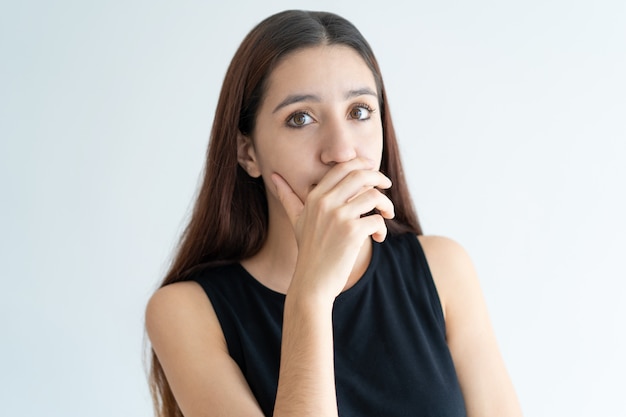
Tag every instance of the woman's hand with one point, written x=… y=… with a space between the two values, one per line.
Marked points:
x=330 y=226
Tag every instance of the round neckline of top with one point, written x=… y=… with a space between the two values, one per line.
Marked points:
x=367 y=275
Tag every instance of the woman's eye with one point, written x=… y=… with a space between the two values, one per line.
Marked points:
x=360 y=113
x=299 y=119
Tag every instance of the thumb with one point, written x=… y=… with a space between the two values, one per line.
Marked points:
x=290 y=201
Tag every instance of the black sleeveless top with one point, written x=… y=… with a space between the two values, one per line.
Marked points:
x=391 y=356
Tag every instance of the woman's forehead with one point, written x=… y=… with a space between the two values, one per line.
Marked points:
x=324 y=71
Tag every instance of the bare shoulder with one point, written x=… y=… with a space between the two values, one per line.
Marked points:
x=445 y=254
x=172 y=295
x=451 y=268
x=182 y=307
x=175 y=293
x=177 y=298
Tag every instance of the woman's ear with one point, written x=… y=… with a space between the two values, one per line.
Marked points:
x=246 y=156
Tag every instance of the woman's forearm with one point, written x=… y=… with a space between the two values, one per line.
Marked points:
x=306 y=383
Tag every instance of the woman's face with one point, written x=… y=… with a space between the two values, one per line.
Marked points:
x=320 y=109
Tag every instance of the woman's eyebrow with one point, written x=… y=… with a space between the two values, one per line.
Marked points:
x=297 y=98
x=360 y=92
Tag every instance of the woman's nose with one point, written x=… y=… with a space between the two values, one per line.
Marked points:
x=338 y=144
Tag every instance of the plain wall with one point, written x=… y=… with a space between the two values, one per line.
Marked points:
x=511 y=119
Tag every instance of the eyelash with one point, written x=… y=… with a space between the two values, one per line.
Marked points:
x=366 y=107
x=294 y=114
x=306 y=113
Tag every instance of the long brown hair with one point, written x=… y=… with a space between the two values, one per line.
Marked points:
x=230 y=216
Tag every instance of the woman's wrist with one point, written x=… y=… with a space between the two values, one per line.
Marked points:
x=302 y=298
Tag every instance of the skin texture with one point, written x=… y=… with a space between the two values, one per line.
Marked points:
x=317 y=145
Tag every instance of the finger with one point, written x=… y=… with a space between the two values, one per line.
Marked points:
x=357 y=182
x=368 y=201
x=291 y=202
x=374 y=226
x=339 y=171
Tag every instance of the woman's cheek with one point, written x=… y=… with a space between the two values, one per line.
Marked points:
x=299 y=187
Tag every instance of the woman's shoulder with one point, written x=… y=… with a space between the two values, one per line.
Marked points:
x=186 y=336
x=444 y=256
x=451 y=268
x=175 y=303
x=180 y=314
x=175 y=294
x=188 y=302
x=444 y=252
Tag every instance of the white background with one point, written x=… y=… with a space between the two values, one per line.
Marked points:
x=511 y=119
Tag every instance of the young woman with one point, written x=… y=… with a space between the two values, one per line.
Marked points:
x=303 y=285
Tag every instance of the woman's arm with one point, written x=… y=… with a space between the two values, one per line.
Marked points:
x=486 y=386
x=188 y=340
x=306 y=383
